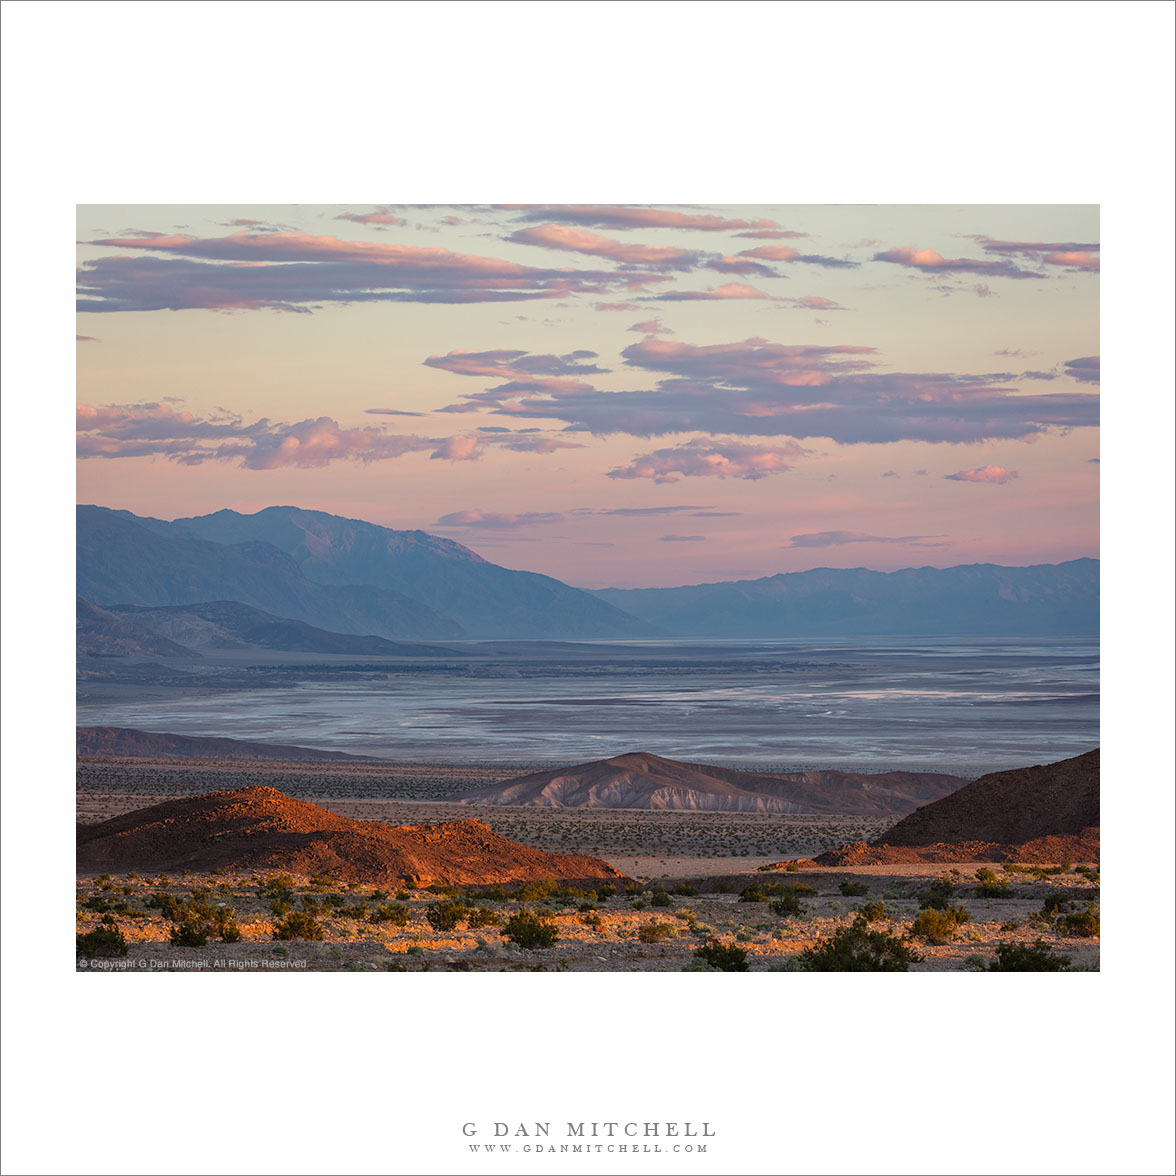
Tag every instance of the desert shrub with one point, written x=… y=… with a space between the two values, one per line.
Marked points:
x=530 y=931
x=1018 y=957
x=858 y=949
x=191 y=931
x=167 y=905
x=298 y=925
x=722 y=887
x=131 y=876
x=938 y=926
x=494 y=894
x=752 y=894
x=789 y=901
x=990 y=885
x=483 y=917
x=604 y=893
x=585 y=907
x=660 y=899
x=722 y=957
x=106 y=941
x=311 y=905
x=1054 y=904
x=105 y=906
x=534 y=891
x=445 y=916
x=334 y=901
x=936 y=895
x=700 y=966
x=395 y=913
x=277 y=887
x=655 y=932
x=1083 y=924
x=322 y=881
x=593 y=920
x=872 y=912
x=853 y=889
x=975 y=963
x=640 y=905
x=279 y=908
x=685 y=889
x=359 y=911
x=225 y=923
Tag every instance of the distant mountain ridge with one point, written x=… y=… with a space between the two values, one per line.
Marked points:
x=341 y=575
x=227 y=625
x=642 y=780
x=485 y=599
x=970 y=599
x=352 y=577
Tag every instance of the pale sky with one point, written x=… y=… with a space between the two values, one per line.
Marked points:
x=610 y=394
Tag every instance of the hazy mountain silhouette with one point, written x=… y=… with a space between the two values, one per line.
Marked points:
x=485 y=599
x=970 y=599
x=228 y=624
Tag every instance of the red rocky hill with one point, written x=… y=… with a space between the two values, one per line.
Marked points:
x=263 y=829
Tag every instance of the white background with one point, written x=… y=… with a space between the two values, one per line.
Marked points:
x=588 y=102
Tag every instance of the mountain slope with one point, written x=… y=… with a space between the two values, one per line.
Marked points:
x=105 y=634
x=227 y=624
x=127 y=743
x=122 y=559
x=1046 y=813
x=970 y=599
x=641 y=780
x=487 y=600
x=261 y=828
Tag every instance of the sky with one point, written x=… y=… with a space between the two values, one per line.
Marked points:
x=615 y=395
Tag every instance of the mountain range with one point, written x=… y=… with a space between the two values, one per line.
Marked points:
x=349 y=577
x=974 y=599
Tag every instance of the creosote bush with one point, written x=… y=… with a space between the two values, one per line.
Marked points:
x=1083 y=924
x=936 y=895
x=990 y=884
x=660 y=899
x=395 y=913
x=106 y=941
x=858 y=949
x=872 y=912
x=938 y=926
x=530 y=931
x=298 y=925
x=723 y=957
x=853 y=889
x=445 y=916
x=655 y=932
x=1017 y=957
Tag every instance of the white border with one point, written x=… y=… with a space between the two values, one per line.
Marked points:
x=787 y=102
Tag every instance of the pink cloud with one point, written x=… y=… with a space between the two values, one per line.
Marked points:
x=813 y=302
x=496 y=521
x=286 y=270
x=651 y=327
x=930 y=260
x=740 y=265
x=770 y=234
x=458 y=449
x=730 y=290
x=787 y=253
x=620 y=216
x=1073 y=259
x=378 y=216
x=837 y=538
x=991 y=475
x=582 y=241
x=711 y=458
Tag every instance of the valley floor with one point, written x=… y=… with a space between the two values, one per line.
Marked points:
x=690 y=873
